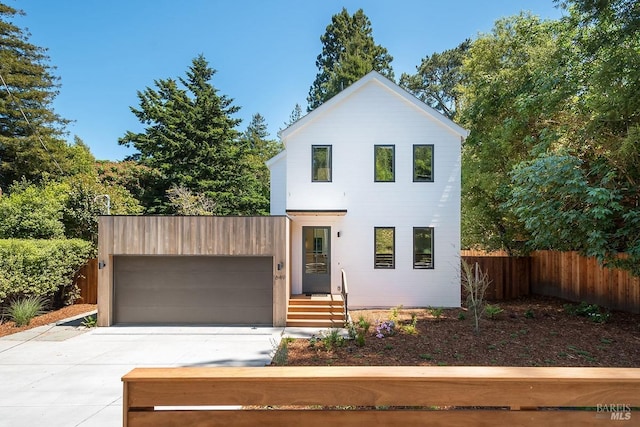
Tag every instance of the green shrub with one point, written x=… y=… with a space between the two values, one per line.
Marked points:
x=492 y=310
x=22 y=310
x=33 y=212
x=41 y=268
x=331 y=339
x=590 y=311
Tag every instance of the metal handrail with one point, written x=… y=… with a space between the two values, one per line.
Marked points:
x=345 y=294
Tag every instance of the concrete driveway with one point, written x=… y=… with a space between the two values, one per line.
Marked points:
x=68 y=376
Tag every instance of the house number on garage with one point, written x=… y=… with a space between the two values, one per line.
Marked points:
x=279 y=277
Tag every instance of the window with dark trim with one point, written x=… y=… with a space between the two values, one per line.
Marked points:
x=423 y=163
x=385 y=247
x=384 y=163
x=321 y=163
x=422 y=247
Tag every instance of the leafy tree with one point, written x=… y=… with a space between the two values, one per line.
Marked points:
x=139 y=180
x=85 y=203
x=28 y=86
x=33 y=212
x=191 y=141
x=584 y=195
x=511 y=103
x=437 y=80
x=185 y=202
x=348 y=53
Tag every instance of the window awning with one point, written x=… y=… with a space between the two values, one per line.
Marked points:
x=316 y=212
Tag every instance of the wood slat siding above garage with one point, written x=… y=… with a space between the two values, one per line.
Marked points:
x=194 y=235
x=158 y=235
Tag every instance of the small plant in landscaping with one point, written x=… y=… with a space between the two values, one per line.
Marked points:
x=280 y=351
x=313 y=341
x=435 y=312
x=395 y=313
x=426 y=356
x=462 y=316
x=358 y=331
x=21 y=311
x=590 y=311
x=411 y=328
x=475 y=283
x=385 y=329
x=331 y=339
x=529 y=314
x=493 y=311
x=90 y=321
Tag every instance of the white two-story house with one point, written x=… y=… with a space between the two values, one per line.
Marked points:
x=371 y=183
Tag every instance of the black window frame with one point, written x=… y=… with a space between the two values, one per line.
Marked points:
x=329 y=161
x=432 y=162
x=414 y=251
x=376 y=263
x=393 y=162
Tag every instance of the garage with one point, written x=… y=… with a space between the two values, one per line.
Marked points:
x=193 y=270
x=193 y=290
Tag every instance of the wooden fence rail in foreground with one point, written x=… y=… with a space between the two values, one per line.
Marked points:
x=408 y=395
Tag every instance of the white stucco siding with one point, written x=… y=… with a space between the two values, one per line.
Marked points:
x=374 y=115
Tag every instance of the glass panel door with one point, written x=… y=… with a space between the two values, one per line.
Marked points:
x=316 y=256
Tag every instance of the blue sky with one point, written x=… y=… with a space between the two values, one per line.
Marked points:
x=264 y=51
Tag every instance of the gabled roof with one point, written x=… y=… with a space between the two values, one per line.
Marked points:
x=275 y=159
x=375 y=76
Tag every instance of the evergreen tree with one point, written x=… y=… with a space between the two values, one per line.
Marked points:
x=191 y=141
x=348 y=53
x=295 y=115
x=438 y=78
x=27 y=85
x=256 y=138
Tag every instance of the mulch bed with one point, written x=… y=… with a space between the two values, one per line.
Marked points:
x=535 y=331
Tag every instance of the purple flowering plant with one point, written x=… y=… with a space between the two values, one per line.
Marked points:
x=385 y=329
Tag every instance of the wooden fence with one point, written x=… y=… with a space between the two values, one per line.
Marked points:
x=379 y=395
x=87 y=281
x=510 y=276
x=565 y=275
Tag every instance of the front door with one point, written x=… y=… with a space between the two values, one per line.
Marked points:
x=316 y=253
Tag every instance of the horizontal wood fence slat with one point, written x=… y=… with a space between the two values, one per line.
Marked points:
x=498 y=395
x=86 y=280
x=566 y=275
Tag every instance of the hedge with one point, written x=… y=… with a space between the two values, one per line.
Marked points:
x=42 y=268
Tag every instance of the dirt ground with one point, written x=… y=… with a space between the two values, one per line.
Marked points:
x=535 y=331
x=8 y=327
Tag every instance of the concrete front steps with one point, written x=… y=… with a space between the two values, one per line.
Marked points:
x=316 y=311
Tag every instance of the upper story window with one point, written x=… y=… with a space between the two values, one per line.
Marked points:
x=423 y=247
x=423 y=163
x=385 y=163
x=321 y=163
x=385 y=247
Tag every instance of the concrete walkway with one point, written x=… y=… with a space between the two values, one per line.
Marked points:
x=61 y=376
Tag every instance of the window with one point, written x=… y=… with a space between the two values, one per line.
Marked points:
x=321 y=163
x=423 y=163
x=385 y=163
x=385 y=242
x=423 y=247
